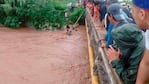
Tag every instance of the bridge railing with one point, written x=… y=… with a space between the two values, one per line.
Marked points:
x=102 y=68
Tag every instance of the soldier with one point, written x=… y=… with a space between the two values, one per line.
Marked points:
x=126 y=53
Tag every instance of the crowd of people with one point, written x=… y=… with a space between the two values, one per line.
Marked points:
x=127 y=37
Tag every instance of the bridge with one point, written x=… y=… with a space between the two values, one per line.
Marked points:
x=99 y=63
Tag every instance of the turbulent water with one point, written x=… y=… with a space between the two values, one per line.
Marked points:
x=28 y=56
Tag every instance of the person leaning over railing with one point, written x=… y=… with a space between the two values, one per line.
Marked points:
x=140 y=12
x=102 y=11
x=108 y=26
x=96 y=11
x=90 y=6
x=126 y=53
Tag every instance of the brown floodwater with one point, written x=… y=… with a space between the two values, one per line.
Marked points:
x=29 y=56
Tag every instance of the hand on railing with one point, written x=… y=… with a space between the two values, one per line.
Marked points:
x=113 y=54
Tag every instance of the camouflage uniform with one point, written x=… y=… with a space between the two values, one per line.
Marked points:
x=130 y=40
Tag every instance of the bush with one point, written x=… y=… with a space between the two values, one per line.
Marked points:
x=13 y=22
x=75 y=15
x=40 y=14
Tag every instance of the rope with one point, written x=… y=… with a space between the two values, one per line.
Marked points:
x=79 y=17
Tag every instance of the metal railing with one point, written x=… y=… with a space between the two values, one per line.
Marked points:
x=106 y=74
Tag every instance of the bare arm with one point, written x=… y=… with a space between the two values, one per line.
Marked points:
x=143 y=73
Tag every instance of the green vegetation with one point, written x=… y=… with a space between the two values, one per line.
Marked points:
x=74 y=16
x=40 y=14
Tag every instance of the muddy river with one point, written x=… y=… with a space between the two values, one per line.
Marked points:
x=29 y=56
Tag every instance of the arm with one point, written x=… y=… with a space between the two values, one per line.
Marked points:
x=143 y=75
x=109 y=39
x=128 y=75
x=109 y=35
